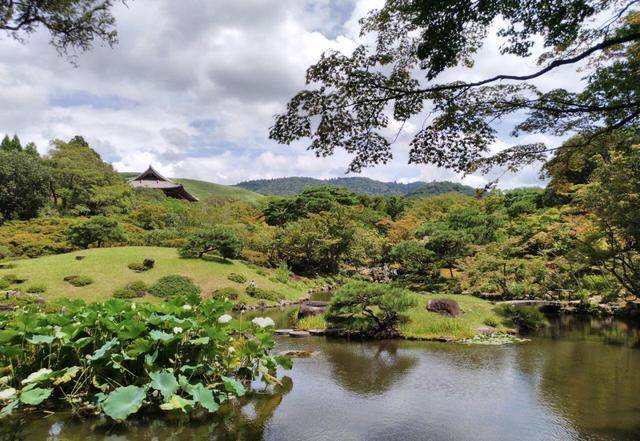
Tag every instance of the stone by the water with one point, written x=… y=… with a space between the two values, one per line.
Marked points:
x=317 y=331
x=299 y=334
x=283 y=331
x=444 y=306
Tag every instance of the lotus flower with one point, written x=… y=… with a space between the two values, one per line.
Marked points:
x=263 y=322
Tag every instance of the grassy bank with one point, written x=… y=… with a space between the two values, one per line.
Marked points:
x=428 y=325
x=107 y=267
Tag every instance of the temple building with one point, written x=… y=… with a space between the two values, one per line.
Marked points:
x=152 y=179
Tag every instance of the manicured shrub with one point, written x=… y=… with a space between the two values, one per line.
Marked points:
x=238 y=278
x=11 y=278
x=227 y=292
x=174 y=285
x=132 y=290
x=261 y=272
x=263 y=294
x=4 y=284
x=219 y=239
x=5 y=252
x=490 y=321
x=137 y=267
x=98 y=230
x=149 y=263
x=81 y=281
x=36 y=288
x=282 y=273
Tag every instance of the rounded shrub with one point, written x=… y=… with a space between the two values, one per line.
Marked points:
x=81 y=281
x=4 y=284
x=174 y=285
x=227 y=292
x=238 y=278
x=133 y=290
x=137 y=267
x=263 y=294
x=36 y=288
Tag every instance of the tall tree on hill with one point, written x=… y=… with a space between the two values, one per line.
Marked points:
x=73 y=25
x=24 y=181
x=82 y=183
x=352 y=100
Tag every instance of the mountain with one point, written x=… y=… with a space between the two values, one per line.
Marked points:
x=204 y=190
x=294 y=185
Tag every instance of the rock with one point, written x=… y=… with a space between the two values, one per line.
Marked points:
x=485 y=330
x=299 y=334
x=444 y=306
x=283 y=331
x=317 y=331
x=297 y=354
x=80 y=257
x=148 y=263
x=312 y=308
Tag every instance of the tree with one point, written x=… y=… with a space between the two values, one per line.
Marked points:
x=417 y=263
x=11 y=144
x=394 y=206
x=371 y=309
x=24 y=182
x=352 y=100
x=448 y=244
x=98 y=230
x=82 y=182
x=219 y=239
x=613 y=195
x=73 y=25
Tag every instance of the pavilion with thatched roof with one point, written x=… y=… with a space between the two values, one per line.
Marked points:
x=152 y=179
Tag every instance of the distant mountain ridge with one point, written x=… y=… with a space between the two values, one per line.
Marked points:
x=294 y=185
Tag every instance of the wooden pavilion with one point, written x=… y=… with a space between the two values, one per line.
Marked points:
x=150 y=178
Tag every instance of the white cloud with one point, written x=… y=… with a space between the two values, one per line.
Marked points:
x=193 y=86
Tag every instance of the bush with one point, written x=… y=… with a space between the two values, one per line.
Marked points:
x=131 y=291
x=81 y=281
x=137 y=267
x=282 y=273
x=227 y=292
x=174 y=285
x=263 y=294
x=4 y=284
x=261 y=272
x=218 y=239
x=36 y=288
x=527 y=319
x=369 y=309
x=238 y=278
x=11 y=278
x=5 y=252
x=98 y=230
x=149 y=263
x=490 y=321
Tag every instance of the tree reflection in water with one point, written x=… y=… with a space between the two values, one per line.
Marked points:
x=368 y=367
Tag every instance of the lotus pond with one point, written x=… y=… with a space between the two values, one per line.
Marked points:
x=578 y=379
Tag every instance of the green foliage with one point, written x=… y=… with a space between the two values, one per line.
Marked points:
x=98 y=230
x=24 y=185
x=263 y=294
x=4 y=284
x=282 y=273
x=81 y=281
x=414 y=260
x=219 y=239
x=238 y=278
x=526 y=318
x=371 y=309
x=132 y=290
x=36 y=237
x=119 y=358
x=36 y=288
x=227 y=292
x=172 y=286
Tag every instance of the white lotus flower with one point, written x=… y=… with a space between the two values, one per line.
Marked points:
x=177 y=330
x=225 y=318
x=8 y=394
x=263 y=322
x=187 y=307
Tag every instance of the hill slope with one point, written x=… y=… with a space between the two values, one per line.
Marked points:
x=204 y=190
x=294 y=185
x=108 y=269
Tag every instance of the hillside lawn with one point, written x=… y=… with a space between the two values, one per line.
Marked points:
x=108 y=269
x=426 y=325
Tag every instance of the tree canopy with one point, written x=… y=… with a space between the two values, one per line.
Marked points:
x=353 y=100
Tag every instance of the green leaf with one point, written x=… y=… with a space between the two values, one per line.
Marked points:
x=123 y=402
x=284 y=361
x=165 y=382
x=138 y=346
x=149 y=359
x=8 y=394
x=81 y=342
x=104 y=349
x=131 y=329
x=177 y=402
x=35 y=396
x=7 y=335
x=233 y=386
x=161 y=336
x=200 y=341
x=9 y=408
x=204 y=397
x=41 y=339
x=38 y=376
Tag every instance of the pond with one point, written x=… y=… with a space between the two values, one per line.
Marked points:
x=579 y=379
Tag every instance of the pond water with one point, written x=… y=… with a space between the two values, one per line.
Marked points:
x=579 y=379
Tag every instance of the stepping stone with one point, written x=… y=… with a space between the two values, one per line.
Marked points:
x=317 y=331
x=298 y=334
x=283 y=331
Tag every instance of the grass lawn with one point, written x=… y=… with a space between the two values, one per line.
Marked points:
x=428 y=325
x=108 y=269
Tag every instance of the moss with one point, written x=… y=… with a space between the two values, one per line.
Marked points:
x=81 y=281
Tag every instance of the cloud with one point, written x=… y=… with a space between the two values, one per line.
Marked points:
x=192 y=88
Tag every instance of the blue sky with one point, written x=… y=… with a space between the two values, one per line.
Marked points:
x=193 y=86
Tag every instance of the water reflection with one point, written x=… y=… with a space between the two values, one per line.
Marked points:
x=577 y=380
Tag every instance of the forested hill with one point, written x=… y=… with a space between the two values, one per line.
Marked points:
x=294 y=185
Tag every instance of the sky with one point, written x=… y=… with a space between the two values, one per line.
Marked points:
x=193 y=85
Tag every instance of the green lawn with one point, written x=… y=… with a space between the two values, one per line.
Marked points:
x=428 y=325
x=108 y=268
x=203 y=190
